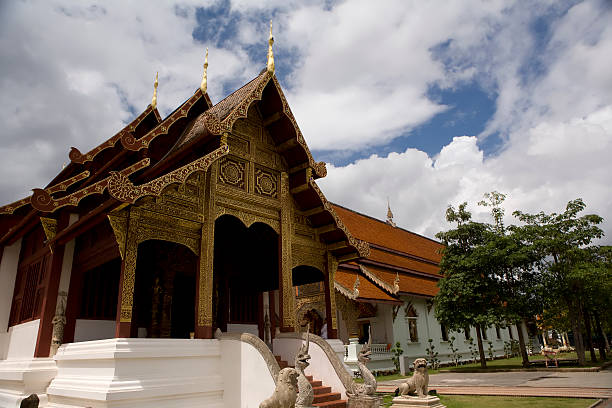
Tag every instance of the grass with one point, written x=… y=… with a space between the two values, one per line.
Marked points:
x=474 y=401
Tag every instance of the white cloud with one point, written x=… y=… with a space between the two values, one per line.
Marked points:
x=540 y=175
x=72 y=72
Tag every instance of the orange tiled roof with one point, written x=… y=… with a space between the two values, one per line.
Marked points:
x=402 y=261
x=408 y=284
x=367 y=290
x=380 y=233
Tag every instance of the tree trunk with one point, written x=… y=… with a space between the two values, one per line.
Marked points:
x=522 y=345
x=601 y=335
x=574 y=316
x=483 y=360
x=589 y=335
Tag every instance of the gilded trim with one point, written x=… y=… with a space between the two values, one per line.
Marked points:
x=131 y=143
x=63 y=186
x=77 y=157
x=49 y=226
x=121 y=188
x=384 y=285
x=362 y=247
x=42 y=200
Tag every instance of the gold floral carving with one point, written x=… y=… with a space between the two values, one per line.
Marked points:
x=62 y=186
x=266 y=182
x=121 y=188
x=286 y=254
x=119 y=224
x=233 y=172
x=129 y=268
x=362 y=247
x=332 y=267
x=42 y=200
x=247 y=217
x=129 y=142
x=77 y=157
x=49 y=226
x=205 y=281
x=217 y=126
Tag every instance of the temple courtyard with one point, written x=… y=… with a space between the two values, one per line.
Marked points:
x=571 y=384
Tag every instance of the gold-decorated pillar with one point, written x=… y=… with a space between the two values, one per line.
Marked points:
x=204 y=291
x=330 y=297
x=125 y=302
x=286 y=293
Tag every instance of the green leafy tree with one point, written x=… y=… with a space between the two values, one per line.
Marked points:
x=562 y=244
x=512 y=264
x=468 y=293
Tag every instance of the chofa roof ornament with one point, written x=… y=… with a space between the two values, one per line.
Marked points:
x=204 y=84
x=270 y=51
x=154 y=100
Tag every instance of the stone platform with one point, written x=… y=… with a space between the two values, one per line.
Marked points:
x=416 y=402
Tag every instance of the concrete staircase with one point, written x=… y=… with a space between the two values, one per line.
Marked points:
x=323 y=395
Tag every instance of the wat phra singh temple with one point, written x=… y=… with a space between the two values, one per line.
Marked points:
x=169 y=265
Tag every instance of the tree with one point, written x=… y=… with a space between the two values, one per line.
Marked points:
x=468 y=294
x=511 y=263
x=561 y=243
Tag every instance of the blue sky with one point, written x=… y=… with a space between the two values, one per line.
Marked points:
x=427 y=103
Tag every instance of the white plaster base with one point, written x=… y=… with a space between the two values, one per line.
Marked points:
x=20 y=378
x=138 y=373
x=416 y=402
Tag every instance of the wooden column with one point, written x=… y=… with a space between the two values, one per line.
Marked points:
x=330 y=297
x=286 y=293
x=204 y=289
x=125 y=301
x=47 y=311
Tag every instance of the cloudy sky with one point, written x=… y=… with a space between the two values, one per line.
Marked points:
x=426 y=103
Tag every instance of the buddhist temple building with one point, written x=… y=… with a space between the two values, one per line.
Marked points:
x=208 y=221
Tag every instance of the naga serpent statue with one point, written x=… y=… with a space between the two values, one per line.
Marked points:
x=305 y=393
x=368 y=387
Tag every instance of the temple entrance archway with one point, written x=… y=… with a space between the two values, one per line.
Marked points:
x=245 y=276
x=309 y=285
x=164 y=295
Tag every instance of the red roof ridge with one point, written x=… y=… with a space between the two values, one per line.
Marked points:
x=384 y=223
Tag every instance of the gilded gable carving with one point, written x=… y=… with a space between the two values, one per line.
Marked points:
x=238 y=146
x=266 y=182
x=233 y=172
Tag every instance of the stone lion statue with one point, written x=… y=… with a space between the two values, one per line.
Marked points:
x=419 y=381
x=285 y=394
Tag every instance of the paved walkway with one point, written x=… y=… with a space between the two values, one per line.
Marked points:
x=520 y=383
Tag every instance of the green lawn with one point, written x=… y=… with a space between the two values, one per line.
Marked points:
x=469 y=401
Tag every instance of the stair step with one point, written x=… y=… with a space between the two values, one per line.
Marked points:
x=316 y=383
x=332 y=404
x=330 y=396
x=321 y=390
x=308 y=377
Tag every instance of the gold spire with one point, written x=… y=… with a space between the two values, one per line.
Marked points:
x=154 y=100
x=270 y=52
x=389 y=214
x=204 y=85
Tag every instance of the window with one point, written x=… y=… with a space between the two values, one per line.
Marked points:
x=100 y=291
x=444 y=331
x=411 y=321
x=510 y=332
x=498 y=332
x=31 y=280
x=466 y=331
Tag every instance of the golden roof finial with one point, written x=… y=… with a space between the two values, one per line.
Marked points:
x=154 y=100
x=270 y=52
x=389 y=214
x=204 y=84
